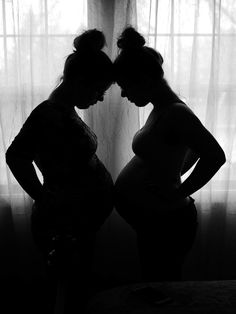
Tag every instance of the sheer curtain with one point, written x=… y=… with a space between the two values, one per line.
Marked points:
x=197 y=39
x=35 y=38
x=115 y=122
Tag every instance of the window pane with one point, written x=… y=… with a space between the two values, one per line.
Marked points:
x=25 y=17
x=67 y=16
x=154 y=16
x=183 y=16
x=197 y=39
x=1 y=20
x=228 y=16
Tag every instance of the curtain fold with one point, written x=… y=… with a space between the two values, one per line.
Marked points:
x=115 y=122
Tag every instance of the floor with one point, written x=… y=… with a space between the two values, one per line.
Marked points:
x=28 y=296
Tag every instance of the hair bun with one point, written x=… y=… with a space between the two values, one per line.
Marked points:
x=90 y=40
x=130 y=39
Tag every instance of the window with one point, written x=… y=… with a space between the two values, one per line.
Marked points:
x=197 y=39
x=35 y=38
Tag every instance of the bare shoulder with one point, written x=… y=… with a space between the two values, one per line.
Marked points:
x=186 y=124
x=46 y=114
x=192 y=132
x=184 y=116
x=180 y=108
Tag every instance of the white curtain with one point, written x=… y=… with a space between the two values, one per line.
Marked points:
x=115 y=123
x=196 y=39
x=35 y=38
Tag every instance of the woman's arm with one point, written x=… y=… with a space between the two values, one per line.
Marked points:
x=190 y=159
x=211 y=156
x=204 y=170
x=24 y=172
x=20 y=156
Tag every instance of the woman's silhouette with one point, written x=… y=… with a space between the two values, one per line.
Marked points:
x=76 y=195
x=149 y=193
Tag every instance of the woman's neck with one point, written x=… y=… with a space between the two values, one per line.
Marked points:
x=164 y=96
x=61 y=98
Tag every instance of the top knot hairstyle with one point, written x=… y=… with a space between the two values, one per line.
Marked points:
x=88 y=61
x=91 y=40
x=130 y=39
x=135 y=59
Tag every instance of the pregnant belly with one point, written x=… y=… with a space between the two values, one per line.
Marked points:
x=76 y=178
x=81 y=191
x=132 y=177
x=138 y=190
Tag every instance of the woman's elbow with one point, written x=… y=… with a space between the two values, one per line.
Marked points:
x=9 y=156
x=214 y=158
x=220 y=157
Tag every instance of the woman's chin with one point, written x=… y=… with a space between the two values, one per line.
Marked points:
x=140 y=104
x=86 y=106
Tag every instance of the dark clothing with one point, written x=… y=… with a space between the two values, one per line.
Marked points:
x=64 y=149
x=77 y=200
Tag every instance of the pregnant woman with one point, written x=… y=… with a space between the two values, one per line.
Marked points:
x=76 y=195
x=149 y=193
